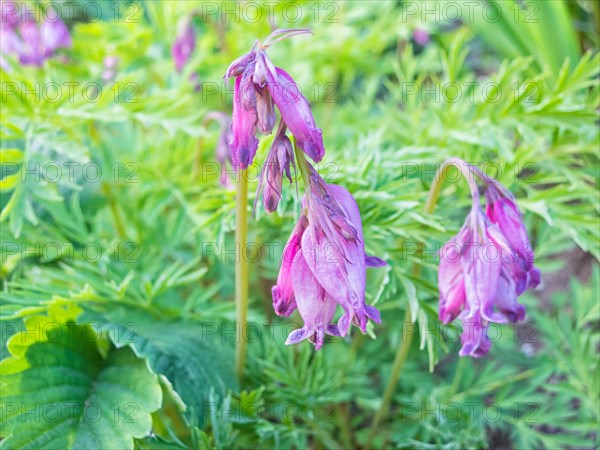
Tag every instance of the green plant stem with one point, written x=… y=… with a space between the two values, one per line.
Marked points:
x=345 y=425
x=399 y=359
x=241 y=271
x=114 y=209
x=460 y=368
x=322 y=434
x=198 y=160
x=407 y=332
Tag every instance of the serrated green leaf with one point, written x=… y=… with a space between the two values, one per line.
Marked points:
x=72 y=397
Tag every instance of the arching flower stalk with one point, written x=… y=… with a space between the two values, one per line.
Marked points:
x=486 y=266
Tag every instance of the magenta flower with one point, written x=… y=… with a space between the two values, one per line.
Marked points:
x=259 y=87
x=278 y=162
x=184 y=46
x=284 y=300
x=482 y=270
x=54 y=35
x=30 y=43
x=503 y=211
x=9 y=14
x=324 y=264
x=10 y=44
x=110 y=64
x=421 y=36
x=244 y=143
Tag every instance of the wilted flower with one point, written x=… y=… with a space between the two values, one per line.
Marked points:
x=32 y=44
x=259 y=87
x=184 y=45
x=482 y=271
x=324 y=264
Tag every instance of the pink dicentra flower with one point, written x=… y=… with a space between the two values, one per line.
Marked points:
x=486 y=266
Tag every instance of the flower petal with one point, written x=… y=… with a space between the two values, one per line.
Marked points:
x=294 y=108
x=244 y=143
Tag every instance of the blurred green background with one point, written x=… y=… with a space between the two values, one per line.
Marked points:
x=118 y=236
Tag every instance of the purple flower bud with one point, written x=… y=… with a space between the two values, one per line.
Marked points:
x=34 y=44
x=265 y=111
x=223 y=151
x=32 y=51
x=110 y=64
x=244 y=143
x=421 y=36
x=54 y=35
x=278 y=162
x=184 y=46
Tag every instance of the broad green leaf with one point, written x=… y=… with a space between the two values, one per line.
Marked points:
x=73 y=397
x=190 y=354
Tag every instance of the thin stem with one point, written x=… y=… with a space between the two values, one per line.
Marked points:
x=301 y=163
x=241 y=270
x=114 y=209
x=404 y=347
x=322 y=434
x=399 y=359
x=460 y=368
x=198 y=160
x=345 y=426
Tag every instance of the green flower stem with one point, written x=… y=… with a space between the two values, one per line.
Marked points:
x=114 y=209
x=241 y=270
x=407 y=332
x=460 y=368
x=197 y=170
x=301 y=163
x=399 y=359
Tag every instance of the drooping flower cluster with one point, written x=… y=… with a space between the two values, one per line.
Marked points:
x=324 y=262
x=183 y=49
x=486 y=266
x=259 y=87
x=31 y=43
x=184 y=45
